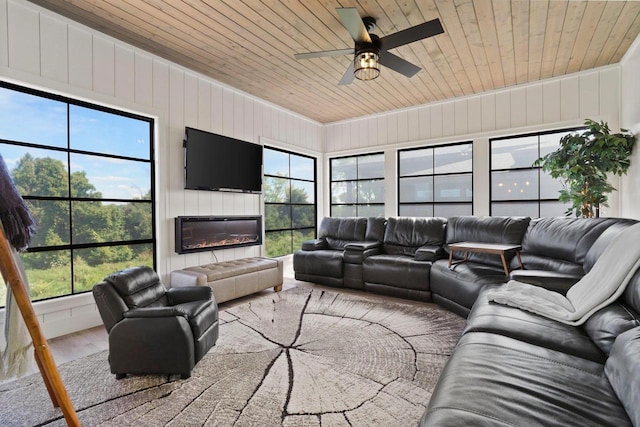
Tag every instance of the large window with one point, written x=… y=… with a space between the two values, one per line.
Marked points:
x=436 y=181
x=518 y=188
x=357 y=185
x=86 y=173
x=290 y=200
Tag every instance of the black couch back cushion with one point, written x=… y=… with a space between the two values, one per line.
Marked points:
x=375 y=229
x=404 y=235
x=562 y=238
x=139 y=287
x=340 y=231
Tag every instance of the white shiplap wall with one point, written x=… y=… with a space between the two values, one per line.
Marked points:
x=42 y=50
x=550 y=104
x=630 y=119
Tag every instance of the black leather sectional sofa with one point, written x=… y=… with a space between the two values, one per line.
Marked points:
x=510 y=367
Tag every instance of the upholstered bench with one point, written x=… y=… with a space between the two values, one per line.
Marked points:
x=232 y=279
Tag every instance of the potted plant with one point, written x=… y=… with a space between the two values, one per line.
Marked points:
x=583 y=161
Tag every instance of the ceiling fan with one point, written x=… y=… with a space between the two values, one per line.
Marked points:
x=370 y=50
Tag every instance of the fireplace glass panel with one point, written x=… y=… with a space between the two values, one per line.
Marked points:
x=195 y=234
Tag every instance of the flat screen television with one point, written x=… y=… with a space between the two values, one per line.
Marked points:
x=219 y=163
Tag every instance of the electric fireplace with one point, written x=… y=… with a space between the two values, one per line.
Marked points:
x=207 y=233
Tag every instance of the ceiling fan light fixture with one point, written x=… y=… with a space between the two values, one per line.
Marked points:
x=366 y=65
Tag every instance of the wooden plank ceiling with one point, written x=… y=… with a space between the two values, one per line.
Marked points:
x=249 y=44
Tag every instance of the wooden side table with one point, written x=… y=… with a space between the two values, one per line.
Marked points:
x=485 y=248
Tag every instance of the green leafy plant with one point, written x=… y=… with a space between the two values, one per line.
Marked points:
x=582 y=163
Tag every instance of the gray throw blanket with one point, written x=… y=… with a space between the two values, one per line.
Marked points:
x=605 y=282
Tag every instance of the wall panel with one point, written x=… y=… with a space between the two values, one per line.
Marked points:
x=460 y=117
x=424 y=119
x=630 y=119
x=518 y=107
x=24 y=38
x=503 y=110
x=570 y=98
x=534 y=94
x=124 y=73
x=53 y=48
x=435 y=113
x=42 y=49
x=589 y=95
x=143 y=78
x=413 y=132
x=551 y=101
x=103 y=66
x=474 y=115
x=80 y=58
x=488 y=112
x=4 y=32
x=610 y=99
x=449 y=118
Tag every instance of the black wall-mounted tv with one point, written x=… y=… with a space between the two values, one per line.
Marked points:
x=219 y=163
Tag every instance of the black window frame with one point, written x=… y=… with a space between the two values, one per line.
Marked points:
x=357 y=204
x=531 y=168
x=433 y=203
x=71 y=246
x=293 y=229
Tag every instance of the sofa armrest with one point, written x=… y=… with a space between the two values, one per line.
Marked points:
x=362 y=246
x=314 y=245
x=552 y=280
x=188 y=294
x=146 y=312
x=356 y=252
x=429 y=253
x=623 y=371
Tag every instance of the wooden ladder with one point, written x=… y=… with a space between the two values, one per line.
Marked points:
x=43 y=356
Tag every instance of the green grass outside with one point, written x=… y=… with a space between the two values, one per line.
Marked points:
x=56 y=281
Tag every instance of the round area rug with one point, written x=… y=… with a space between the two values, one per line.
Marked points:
x=298 y=357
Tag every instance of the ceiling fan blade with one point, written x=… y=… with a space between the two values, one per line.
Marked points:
x=348 y=76
x=412 y=34
x=353 y=23
x=336 y=52
x=398 y=64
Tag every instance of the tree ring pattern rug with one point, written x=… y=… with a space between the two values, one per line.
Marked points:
x=299 y=357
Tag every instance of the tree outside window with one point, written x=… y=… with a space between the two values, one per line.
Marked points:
x=85 y=172
x=290 y=201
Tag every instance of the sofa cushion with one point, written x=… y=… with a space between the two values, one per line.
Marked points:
x=318 y=263
x=486 y=229
x=606 y=324
x=404 y=235
x=139 y=287
x=496 y=380
x=338 y=232
x=623 y=371
x=375 y=229
x=463 y=283
x=563 y=238
x=529 y=327
x=631 y=296
x=545 y=263
x=396 y=270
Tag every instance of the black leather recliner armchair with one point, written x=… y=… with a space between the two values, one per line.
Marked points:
x=153 y=330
